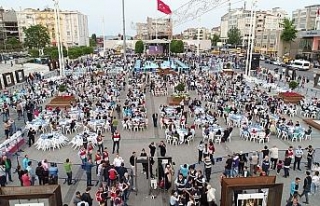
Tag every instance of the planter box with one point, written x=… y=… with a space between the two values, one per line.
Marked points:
x=61 y=101
x=174 y=101
x=291 y=97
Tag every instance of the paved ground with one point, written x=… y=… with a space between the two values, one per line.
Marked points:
x=135 y=141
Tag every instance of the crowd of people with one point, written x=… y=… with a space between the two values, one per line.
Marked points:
x=222 y=105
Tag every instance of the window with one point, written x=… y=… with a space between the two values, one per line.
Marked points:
x=265 y=36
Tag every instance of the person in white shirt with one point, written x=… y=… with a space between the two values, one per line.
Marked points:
x=297 y=158
x=274 y=155
x=315 y=182
x=211 y=195
x=117 y=161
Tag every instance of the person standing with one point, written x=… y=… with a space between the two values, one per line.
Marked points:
x=294 y=188
x=31 y=173
x=88 y=168
x=200 y=151
x=68 y=169
x=254 y=160
x=286 y=165
x=6 y=126
x=85 y=140
x=163 y=149
x=265 y=152
x=306 y=187
x=39 y=173
x=31 y=136
x=274 y=155
x=100 y=142
x=207 y=167
x=266 y=165
x=152 y=148
x=132 y=162
x=8 y=166
x=87 y=197
x=116 y=141
x=310 y=152
x=155 y=119
x=2 y=173
x=297 y=158
x=242 y=161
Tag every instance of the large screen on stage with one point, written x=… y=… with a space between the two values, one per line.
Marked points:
x=155 y=50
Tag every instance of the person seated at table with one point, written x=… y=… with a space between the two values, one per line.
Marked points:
x=308 y=131
x=290 y=123
x=226 y=134
x=218 y=133
x=297 y=124
x=189 y=133
x=206 y=130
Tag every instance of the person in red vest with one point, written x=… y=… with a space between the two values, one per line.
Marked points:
x=90 y=150
x=97 y=159
x=105 y=154
x=116 y=141
x=100 y=142
x=100 y=196
x=83 y=155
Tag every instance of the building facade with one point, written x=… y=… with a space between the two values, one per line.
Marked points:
x=306 y=19
x=8 y=25
x=73 y=24
x=197 y=33
x=267 y=28
x=154 y=29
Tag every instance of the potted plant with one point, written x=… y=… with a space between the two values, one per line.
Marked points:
x=180 y=87
x=62 y=88
x=293 y=85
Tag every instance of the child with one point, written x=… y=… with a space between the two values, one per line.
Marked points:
x=279 y=166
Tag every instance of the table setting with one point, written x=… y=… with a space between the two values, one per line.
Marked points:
x=54 y=140
x=77 y=141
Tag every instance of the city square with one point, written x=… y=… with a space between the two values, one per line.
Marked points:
x=174 y=120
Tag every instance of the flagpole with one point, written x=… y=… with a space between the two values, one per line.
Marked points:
x=124 y=37
x=156 y=28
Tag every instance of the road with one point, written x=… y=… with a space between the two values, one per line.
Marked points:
x=308 y=74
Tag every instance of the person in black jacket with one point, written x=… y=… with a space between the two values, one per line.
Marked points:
x=31 y=135
x=286 y=166
x=163 y=149
x=87 y=197
x=39 y=173
x=306 y=187
x=152 y=148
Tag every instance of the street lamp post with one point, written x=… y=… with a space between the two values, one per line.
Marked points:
x=124 y=37
x=249 y=41
x=58 y=36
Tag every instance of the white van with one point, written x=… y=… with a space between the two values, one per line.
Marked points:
x=301 y=65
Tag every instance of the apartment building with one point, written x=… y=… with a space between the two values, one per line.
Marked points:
x=154 y=29
x=73 y=24
x=306 y=19
x=267 y=27
x=193 y=33
x=8 y=25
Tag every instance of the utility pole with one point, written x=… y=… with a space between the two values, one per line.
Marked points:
x=58 y=36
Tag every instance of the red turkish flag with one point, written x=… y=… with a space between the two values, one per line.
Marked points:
x=164 y=8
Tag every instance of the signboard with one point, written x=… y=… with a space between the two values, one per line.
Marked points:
x=313 y=33
x=8 y=79
x=30 y=204
x=20 y=76
x=252 y=199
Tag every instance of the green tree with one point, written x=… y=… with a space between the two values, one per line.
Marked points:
x=234 y=36
x=37 y=37
x=289 y=32
x=139 y=47
x=13 y=42
x=215 y=38
x=93 y=40
x=177 y=46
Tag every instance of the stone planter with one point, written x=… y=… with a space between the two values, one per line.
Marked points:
x=291 y=97
x=174 y=101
